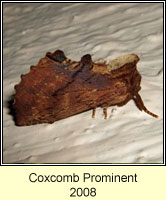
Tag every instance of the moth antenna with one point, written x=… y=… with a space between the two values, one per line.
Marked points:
x=93 y=112
x=139 y=103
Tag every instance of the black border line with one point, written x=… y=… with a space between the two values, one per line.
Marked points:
x=83 y=164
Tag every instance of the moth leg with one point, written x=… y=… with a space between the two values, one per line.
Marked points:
x=139 y=103
x=93 y=112
x=105 y=112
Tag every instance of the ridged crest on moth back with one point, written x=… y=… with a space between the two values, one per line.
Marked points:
x=122 y=60
x=86 y=59
x=58 y=56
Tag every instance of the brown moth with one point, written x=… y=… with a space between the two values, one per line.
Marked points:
x=57 y=88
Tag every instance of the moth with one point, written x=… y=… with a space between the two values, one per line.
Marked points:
x=57 y=88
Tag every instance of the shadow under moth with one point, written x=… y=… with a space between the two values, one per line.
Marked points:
x=57 y=88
